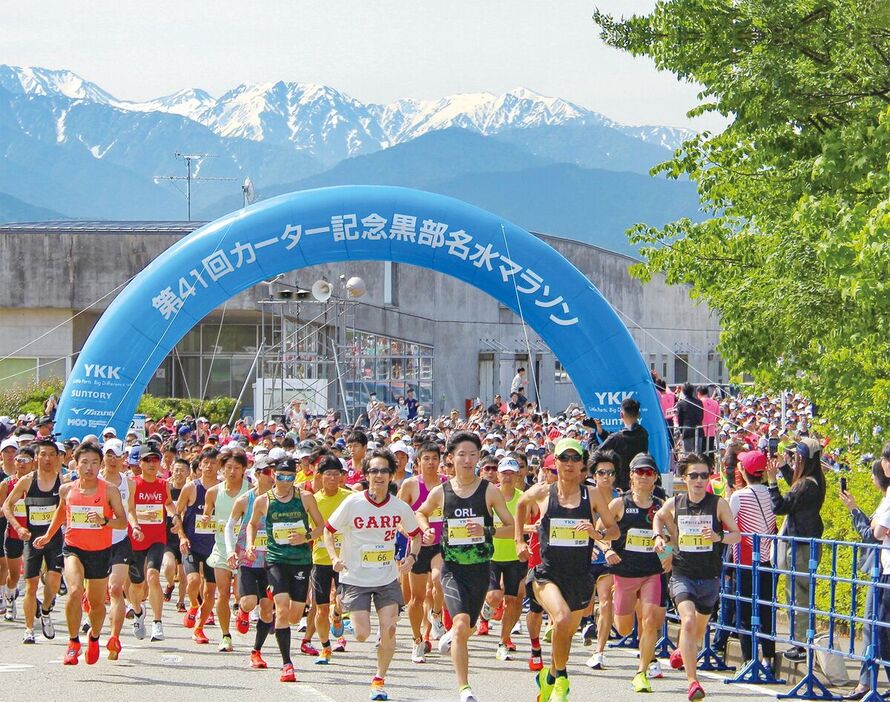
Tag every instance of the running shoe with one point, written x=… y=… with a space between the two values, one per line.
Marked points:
x=377 y=690
x=487 y=611
x=211 y=620
x=418 y=655
x=588 y=633
x=347 y=625
x=324 y=657
x=427 y=646
x=548 y=634
x=157 y=631
x=85 y=627
x=46 y=626
x=535 y=661
x=676 y=659
x=287 y=673
x=168 y=592
x=641 y=682
x=336 y=625
x=114 y=648
x=307 y=649
x=199 y=637
x=225 y=645
x=256 y=660
x=445 y=643
x=695 y=692
x=180 y=607
x=498 y=613
x=63 y=589
x=654 y=670
x=28 y=638
x=130 y=612
x=139 y=625
x=11 y=607
x=596 y=661
x=560 y=690
x=73 y=652
x=301 y=627
x=545 y=689
x=438 y=627
x=340 y=646
x=466 y=695
x=511 y=647
x=482 y=627
x=503 y=653
x=517 y=628
x=188 y=621
x=242 y=621
x=92 y=651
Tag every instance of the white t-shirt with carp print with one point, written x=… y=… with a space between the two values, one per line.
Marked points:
x=369 y=537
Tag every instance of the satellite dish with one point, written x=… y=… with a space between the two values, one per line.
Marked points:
x=248 y=191
x=322 y=290
x=355 y=286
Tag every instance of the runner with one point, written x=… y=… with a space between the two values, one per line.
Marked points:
x=121 y=548
x=369 y=572
x=13 y=545
x=253 y=580
x=637 y=570
x=8 y=449
x=172 y=563
x=90 y=509
x=329 y=497
x=562 y=582
x=508 y=571
x=467 y=503
x=196 y=543
x=699 y=524
x=414 y=491
x=218 y=507
x=288 y=553
x=148 y=503
x=40 y=491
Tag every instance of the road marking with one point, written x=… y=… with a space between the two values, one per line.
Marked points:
x=14 y=667
x=169 y=658
x=313 y=693
x=754 y=688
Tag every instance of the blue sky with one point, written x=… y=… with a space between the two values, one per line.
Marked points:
x=376 y=51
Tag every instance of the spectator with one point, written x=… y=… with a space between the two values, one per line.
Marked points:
x=518 y=381
x=412 y=404
x=689 y=419
x=710 y=415
x=627 y=442
x=803 y=505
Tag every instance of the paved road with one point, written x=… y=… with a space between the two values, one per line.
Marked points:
x=178 y=669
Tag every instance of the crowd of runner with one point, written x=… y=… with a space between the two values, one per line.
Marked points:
x=458 y=522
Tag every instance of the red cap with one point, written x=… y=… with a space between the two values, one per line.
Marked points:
x=753 y=462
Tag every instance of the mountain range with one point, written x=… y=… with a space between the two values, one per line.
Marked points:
x=74 y=149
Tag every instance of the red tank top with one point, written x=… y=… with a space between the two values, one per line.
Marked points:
x=79 y=531
x=149 y=499
x=18 y=509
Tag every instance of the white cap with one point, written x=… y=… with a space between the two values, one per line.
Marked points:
x=399 y=446
x=9 y=442
x=276 y=454
x=507 y=465
x=114 y=446
x=109 y=430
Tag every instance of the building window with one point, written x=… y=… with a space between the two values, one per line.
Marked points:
x=559 y=373
x=681 y=368
x=387 y=367
x=18 y=372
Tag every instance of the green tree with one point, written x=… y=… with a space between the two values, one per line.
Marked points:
x=794 y=254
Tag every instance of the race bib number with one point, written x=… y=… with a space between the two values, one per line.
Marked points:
x=19 y=509
x=221 y=528
x=437 y=517
x=259 y=543
x=282 y=531
x=564 y=532
x=80 y=517
x=41 y=516
x=204 y=525
x=691 y=529
x=640 y=541
x=459 y=534
x=150 y=514
x=378 y=555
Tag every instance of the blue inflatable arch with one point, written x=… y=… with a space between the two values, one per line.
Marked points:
x=355 y=223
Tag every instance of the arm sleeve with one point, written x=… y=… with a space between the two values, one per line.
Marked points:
x=229 y=535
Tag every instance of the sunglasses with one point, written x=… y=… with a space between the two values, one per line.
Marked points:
x=285 y=477
x=24 y=459
x=698 y=476
x=264 y=471
x=606 y=473
x=644 y=471
x=151 y=459
x=570 y=457
x=377 y=471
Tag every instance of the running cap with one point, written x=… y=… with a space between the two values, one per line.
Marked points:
x=508 y=465
x=114 y=446
x=568 y=445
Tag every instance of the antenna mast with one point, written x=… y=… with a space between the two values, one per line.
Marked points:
x=188 y=177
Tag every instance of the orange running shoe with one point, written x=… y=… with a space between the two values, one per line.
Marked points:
x=188 y=621
x=199 y=637
x=92 y=650
x=256 y=660
x=72 y=653
x=114 y=648
x=287 y=673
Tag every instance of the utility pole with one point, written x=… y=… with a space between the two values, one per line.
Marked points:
x=188 y=177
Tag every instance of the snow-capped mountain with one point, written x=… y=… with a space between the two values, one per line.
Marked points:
x=48 y=82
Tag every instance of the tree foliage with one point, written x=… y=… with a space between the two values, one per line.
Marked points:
x=795 y=252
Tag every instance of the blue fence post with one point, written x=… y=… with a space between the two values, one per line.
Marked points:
x=810 y=687
x=873 y=652
x=708 y=658
x=632 y=640
x=755 y=672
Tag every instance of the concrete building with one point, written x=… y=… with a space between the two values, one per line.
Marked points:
x=413 y=328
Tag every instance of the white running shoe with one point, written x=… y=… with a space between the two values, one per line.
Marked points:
x=503 y=653
x=139 y=625
x=445 y=643
x=46 y=625
x=596 y=661
x=418 y=655
x=487 y=611
x=654 y=670
x=517 y=628
x=157 y=631
x=28 y=638
x=438 y=628
x=11 y=606
x=466 y=695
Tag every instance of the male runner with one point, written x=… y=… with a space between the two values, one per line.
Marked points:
x=149 y=502
x=40 y=491
x=467 y=503
x=637 y=570
x=8 y=449
x=414 y=491
x=562 y=582
x=196 y=543
x=90 y=509
x=253 y=579
x=699 y=523
x=13 y=544
x=172 y=564
x=121 y=549
x=218 y=507
x=288 y=552
x=324 y=577
x=367 y=564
